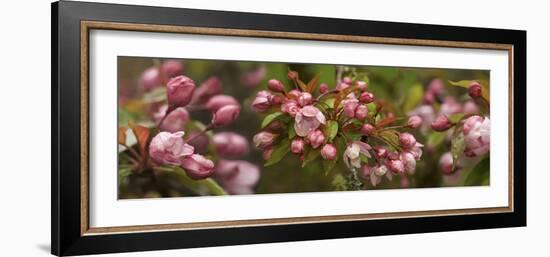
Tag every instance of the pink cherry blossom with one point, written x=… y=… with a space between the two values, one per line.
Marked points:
x=316 y=138
x=150 y=78
x=264 y=139
x=446 y=163
x=350 y=104
x=362 y=85
x=197 y=166
x=180 y=91
x=305 y=99
x=474 y=90
x=323 y=88
x=175 y=121
x=211 y=87
x=171 y=68
x=367 y=129
x=352 y=153
x=297 y=145
x=238 y=177
x=407 y=140
x=308 y=119
x=254 y=77
x=396 y=166
x=361 y=112
x=328 y=152
x=169 y=148
x=291 y=107
x=275 y=86
x=477 y=136
x=409 y=162
x=441 y=123
x=414 y=121
x=226 y=115
x=366 y=97
x=262 y=101
x=230 y=144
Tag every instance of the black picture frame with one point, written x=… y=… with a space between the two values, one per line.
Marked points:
x=66 y=234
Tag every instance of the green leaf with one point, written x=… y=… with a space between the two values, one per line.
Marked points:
x=271 y=117
x=197 y=186
x=457 y=146
x=480 y=174
x=485 y=93
x=339 y=183
x=329 y=102
x=279 y=152
x=310 y=156
x=328 y=165
x=291 y=130
x=331 y=130
x=434 y=139
x=158 y=94
x=414 y=96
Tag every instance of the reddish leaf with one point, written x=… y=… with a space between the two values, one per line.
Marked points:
x=122 y=135
x=312 y=84
x=142 y=136
x=386 y=121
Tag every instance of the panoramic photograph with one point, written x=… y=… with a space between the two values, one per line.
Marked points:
x=189 y=127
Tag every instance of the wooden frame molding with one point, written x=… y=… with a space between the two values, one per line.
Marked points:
x=87 y=26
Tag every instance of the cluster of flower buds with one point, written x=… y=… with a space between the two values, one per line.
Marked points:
x=398 y=162
x=317 y=121
x=158 y=75
x=169 y=147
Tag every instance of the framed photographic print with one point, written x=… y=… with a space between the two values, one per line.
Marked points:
x=178 y=128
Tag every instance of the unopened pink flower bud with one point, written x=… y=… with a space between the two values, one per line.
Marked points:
x=275 y=86
x=212 y=86
x=230 y=144
x=175 y=120
x=305 y=99
x=366 y=97
x=150 y=78
x=414 y=121
x=347 y=80
x=264 y=139
x=341 y=86
x=197 y=167
x=171 y=68
x=361 y=112
x=396 y=166
x=328 y=152
x=407 y=140
x=441 y=123
x=367 y=129
x=262 y=101
x=218 y=101
x=350 y=105
x=323 y=88
x=226 y=115
x=474 y=90
x=297 y=146
x=362 y=85
x=276 y=99
x=180 y=91
x=446 y=163
x=316 y=138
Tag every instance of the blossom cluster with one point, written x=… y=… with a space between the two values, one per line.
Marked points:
x=345 y=123
x=460 y=120
x=198 y=152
